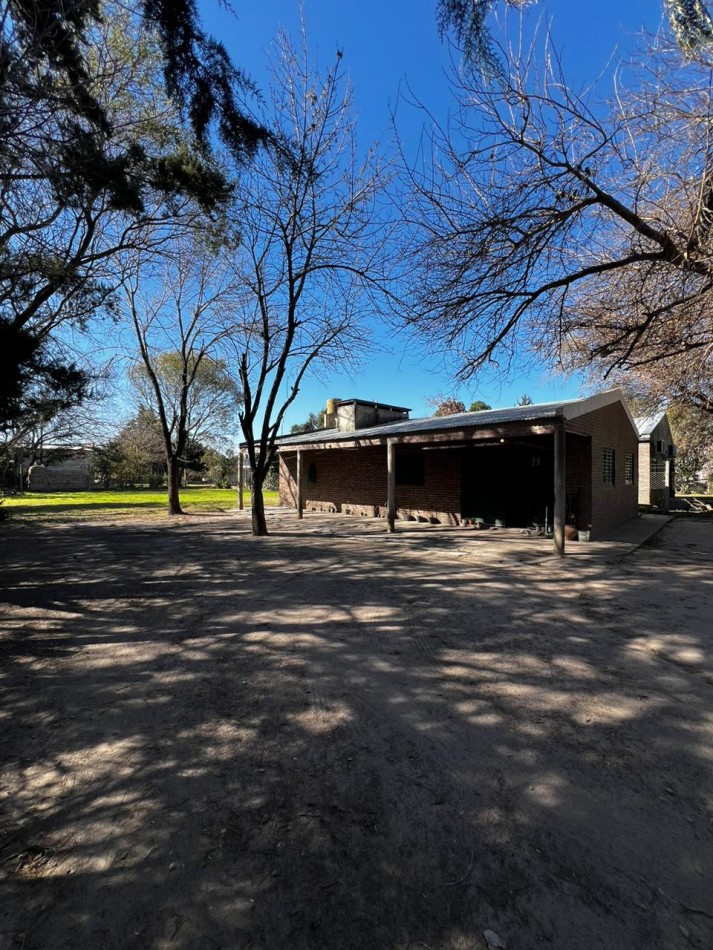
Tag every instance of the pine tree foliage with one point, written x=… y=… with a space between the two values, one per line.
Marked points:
x=95 y=158
x=467 y=21
x=691 y=24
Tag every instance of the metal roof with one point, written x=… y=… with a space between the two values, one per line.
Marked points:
x=487 y=418
x=647 y=424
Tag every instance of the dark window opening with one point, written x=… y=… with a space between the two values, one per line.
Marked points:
x=312 y=474
x=410 y=469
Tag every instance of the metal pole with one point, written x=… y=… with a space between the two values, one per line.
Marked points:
x=560 y=512
x=240 y=481
x=390 y=486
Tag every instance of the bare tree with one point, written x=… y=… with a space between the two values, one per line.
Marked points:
x=574 y=228
x=311 y=259
x=181 y=310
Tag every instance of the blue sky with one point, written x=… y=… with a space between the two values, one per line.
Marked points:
x=385 y=45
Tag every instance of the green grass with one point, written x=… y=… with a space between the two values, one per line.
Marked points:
x=62 y=506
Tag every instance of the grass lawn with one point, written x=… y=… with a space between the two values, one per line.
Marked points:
x=61 y=506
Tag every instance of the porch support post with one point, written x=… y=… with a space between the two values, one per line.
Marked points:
x=560 y=512
x=390 y=486
x=667 y=483
x=241 y=480
x=300 y=484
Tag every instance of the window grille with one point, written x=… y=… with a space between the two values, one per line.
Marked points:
x=629 y=469
x=608 y=466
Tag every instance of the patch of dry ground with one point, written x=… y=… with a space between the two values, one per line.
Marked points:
x=331 y=738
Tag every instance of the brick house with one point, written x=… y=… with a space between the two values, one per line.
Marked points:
x=657 y=454
x=564 y=462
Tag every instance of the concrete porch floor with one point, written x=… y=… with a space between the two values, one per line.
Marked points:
x=458 y=540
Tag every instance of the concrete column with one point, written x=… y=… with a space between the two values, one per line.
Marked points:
x=390 y=486
x=241 y=480
x=560 y=512
x=668 y=470
x=300 y=484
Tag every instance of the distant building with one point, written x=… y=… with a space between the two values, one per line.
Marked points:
x=657 y=461
x=72 y=472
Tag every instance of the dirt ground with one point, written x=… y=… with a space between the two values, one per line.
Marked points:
x=334 y=738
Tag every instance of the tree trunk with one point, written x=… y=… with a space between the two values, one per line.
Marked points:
x=174 y=476
x=258 y=507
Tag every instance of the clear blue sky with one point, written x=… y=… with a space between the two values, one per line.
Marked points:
x=386 y=44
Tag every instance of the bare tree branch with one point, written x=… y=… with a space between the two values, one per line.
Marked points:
x=550 y=222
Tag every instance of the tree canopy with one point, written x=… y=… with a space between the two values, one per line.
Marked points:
x=447 y=405
x=572 y=228
x=313 y=422
x=467 y=22
x=106 y=112
x=183 y=309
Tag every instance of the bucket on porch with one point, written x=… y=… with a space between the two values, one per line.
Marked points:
x=583 y=535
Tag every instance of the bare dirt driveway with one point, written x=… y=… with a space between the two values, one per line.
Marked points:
x=331 y=738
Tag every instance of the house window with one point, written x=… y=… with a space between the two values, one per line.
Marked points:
x=410 y=469
x=628 y=469
x=608 y=459
x=312 y=474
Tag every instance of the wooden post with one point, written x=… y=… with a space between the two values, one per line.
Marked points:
x=300 y=484
x=390 y=486
x=241 y=480
x=560 y=512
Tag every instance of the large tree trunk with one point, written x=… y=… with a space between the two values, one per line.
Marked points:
x=258 y=507
x=174 y=476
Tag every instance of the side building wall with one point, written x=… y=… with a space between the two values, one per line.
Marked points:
x=69 y=475
x=610 y=428
x=661 y=466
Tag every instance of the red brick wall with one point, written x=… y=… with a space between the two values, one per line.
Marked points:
x=578 y=485
x=439 y=497
x=354 y=480
x=609 y=428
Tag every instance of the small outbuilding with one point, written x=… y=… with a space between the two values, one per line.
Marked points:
x=550 y=464
x=657 y=461
x=69 y=469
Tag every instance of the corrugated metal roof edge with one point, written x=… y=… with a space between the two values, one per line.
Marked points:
x=569 y=409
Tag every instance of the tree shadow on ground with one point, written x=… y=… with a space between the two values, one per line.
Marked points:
x=213 y=740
